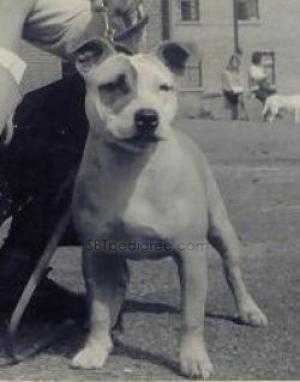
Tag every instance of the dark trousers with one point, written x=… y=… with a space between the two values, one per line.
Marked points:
x=233 y=100
x=263 y=93
x=38 y=169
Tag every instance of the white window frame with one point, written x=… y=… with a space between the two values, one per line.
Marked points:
x=188 y=22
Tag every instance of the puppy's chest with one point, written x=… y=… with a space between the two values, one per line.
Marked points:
x=157 y=201
x=165 y=200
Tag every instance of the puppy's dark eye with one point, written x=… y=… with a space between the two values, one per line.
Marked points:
x=166 y=88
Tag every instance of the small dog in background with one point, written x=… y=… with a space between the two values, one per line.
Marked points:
x=142 y=180
x=277 y=104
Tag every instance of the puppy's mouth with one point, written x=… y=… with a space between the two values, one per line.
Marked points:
x=142 y=139
x=138 y=143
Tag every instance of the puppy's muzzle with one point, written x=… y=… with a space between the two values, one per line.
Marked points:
x=146 y=122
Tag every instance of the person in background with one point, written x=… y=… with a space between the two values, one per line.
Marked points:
x=48 y=142
x=232 y=87
x=259 y=83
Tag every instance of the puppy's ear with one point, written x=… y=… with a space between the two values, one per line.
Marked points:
x=175 y=55
x=89 y=54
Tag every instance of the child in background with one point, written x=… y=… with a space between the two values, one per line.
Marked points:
x=259 y=84
x=232 y=86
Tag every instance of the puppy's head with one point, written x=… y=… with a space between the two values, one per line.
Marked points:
x=131 y=100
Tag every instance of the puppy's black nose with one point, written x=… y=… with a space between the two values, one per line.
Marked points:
x=146 y=121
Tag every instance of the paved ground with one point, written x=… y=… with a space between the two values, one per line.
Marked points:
x=259 y=174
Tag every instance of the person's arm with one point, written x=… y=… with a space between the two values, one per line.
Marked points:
x=13 y=14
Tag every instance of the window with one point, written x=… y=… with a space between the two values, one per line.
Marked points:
x=192 y=80
x=189 y=10
x=247 y=10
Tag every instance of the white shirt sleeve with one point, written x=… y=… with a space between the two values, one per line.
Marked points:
x=257 y=73
x=12 y=63
x=54 y=24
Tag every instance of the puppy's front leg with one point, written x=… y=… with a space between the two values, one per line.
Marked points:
x=102 y=273
x=194 y=360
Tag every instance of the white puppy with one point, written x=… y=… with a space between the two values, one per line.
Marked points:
x=144 y=190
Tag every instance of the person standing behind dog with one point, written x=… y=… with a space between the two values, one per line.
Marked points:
x=232 y=86
x=56 y=26
x=259 y=84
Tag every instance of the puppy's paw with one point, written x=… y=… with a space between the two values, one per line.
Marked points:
x=93 y=356
x=194 y=360
x=251 y=314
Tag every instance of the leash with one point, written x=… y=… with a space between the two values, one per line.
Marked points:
x=42 y=268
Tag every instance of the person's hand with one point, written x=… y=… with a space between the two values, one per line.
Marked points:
x=122 y=17
x=127 y=10
x=10 y=98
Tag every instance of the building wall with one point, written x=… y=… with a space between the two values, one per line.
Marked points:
x=154 y=29
x=213 y=36
x=279 y=30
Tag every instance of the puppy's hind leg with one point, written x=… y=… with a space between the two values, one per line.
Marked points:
x=106 y=279
x=223 y=238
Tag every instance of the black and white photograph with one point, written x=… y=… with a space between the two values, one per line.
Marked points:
x=149 y=190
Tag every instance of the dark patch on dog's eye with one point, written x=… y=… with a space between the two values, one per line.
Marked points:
x=112 y=91
x=119 y=85
x=166 y=88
